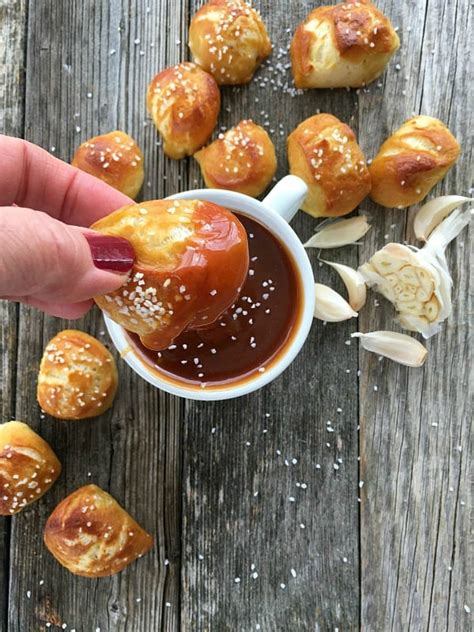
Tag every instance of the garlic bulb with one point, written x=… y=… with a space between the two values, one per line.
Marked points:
x=397 y=347
x=330 y=306
x=433 y=212
x=337 y=233
x=354 y=283
x=416 y=281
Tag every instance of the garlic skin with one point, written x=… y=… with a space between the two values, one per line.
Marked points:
x=330 y=306
x=397 y=347
x=340 y=232
x=417 y=282
x=354 y=282
x=433 y=212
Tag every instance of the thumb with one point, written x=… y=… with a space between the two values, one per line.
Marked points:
x=48 y=261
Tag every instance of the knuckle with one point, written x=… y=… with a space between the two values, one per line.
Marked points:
x=61 y=258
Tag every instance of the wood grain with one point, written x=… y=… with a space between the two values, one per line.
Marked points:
x=239 y=481
x=415 y=429
x=12 y=91
x=89 y=64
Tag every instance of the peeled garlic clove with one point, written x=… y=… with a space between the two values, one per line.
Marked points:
x=422 y=294
x=397 y=347
x=433 y=212
x=408 y=275
x=354 y=283
x=413 y=307
x=392 y=279
x=385 y=262
x=406 y=295
x=339 y=233
x=426 y=280
x=431 y=309
x=330 y=306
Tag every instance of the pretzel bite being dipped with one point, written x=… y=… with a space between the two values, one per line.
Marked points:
x=77 y=377
x=191 y=261
x=184 y=102
x=346 y=45
x=28 y=467
x=324 y=152
x=409 y=163
x=91 y=535
x=242 y=159
x=229 y=39
x=114 y=158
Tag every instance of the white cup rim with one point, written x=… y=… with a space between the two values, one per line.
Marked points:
x=261 y=212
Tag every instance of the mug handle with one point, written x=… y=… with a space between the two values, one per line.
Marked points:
x=286 y=197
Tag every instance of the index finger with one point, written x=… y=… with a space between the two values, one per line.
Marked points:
x=32 y=178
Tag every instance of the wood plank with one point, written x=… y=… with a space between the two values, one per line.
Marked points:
x=12 y=90
x=110 y=50
x=237 y=510
x=415 y=428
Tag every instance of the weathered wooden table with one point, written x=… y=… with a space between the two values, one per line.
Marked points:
x=263 y=518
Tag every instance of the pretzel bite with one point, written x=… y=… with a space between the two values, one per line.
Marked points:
x=324 y=152
x=409 y=163
x=184 y=102
x=243 y=159
x=114 y=158
x=343 y=45
x=28 y=467
x=77 y=377
x=191 y=261
x=229 y=39
x=91 y=535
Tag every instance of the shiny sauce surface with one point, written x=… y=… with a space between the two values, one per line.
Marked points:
x=246 y=338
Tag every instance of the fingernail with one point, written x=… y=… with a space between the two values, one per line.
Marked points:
x=111 y=253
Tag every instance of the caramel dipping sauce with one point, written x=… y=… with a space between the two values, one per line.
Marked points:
x=247 y=338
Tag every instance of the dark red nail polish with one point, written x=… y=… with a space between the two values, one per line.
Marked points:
x=111 y=253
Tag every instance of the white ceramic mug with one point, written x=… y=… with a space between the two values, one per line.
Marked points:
x=274 y=212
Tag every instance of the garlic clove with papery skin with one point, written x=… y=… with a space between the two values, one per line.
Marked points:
x=395 y=346
x=330 y=306
x=354 y=282
x=340 y=232
x=433 y=212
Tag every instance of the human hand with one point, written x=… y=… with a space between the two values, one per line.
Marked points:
x=48 y=258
